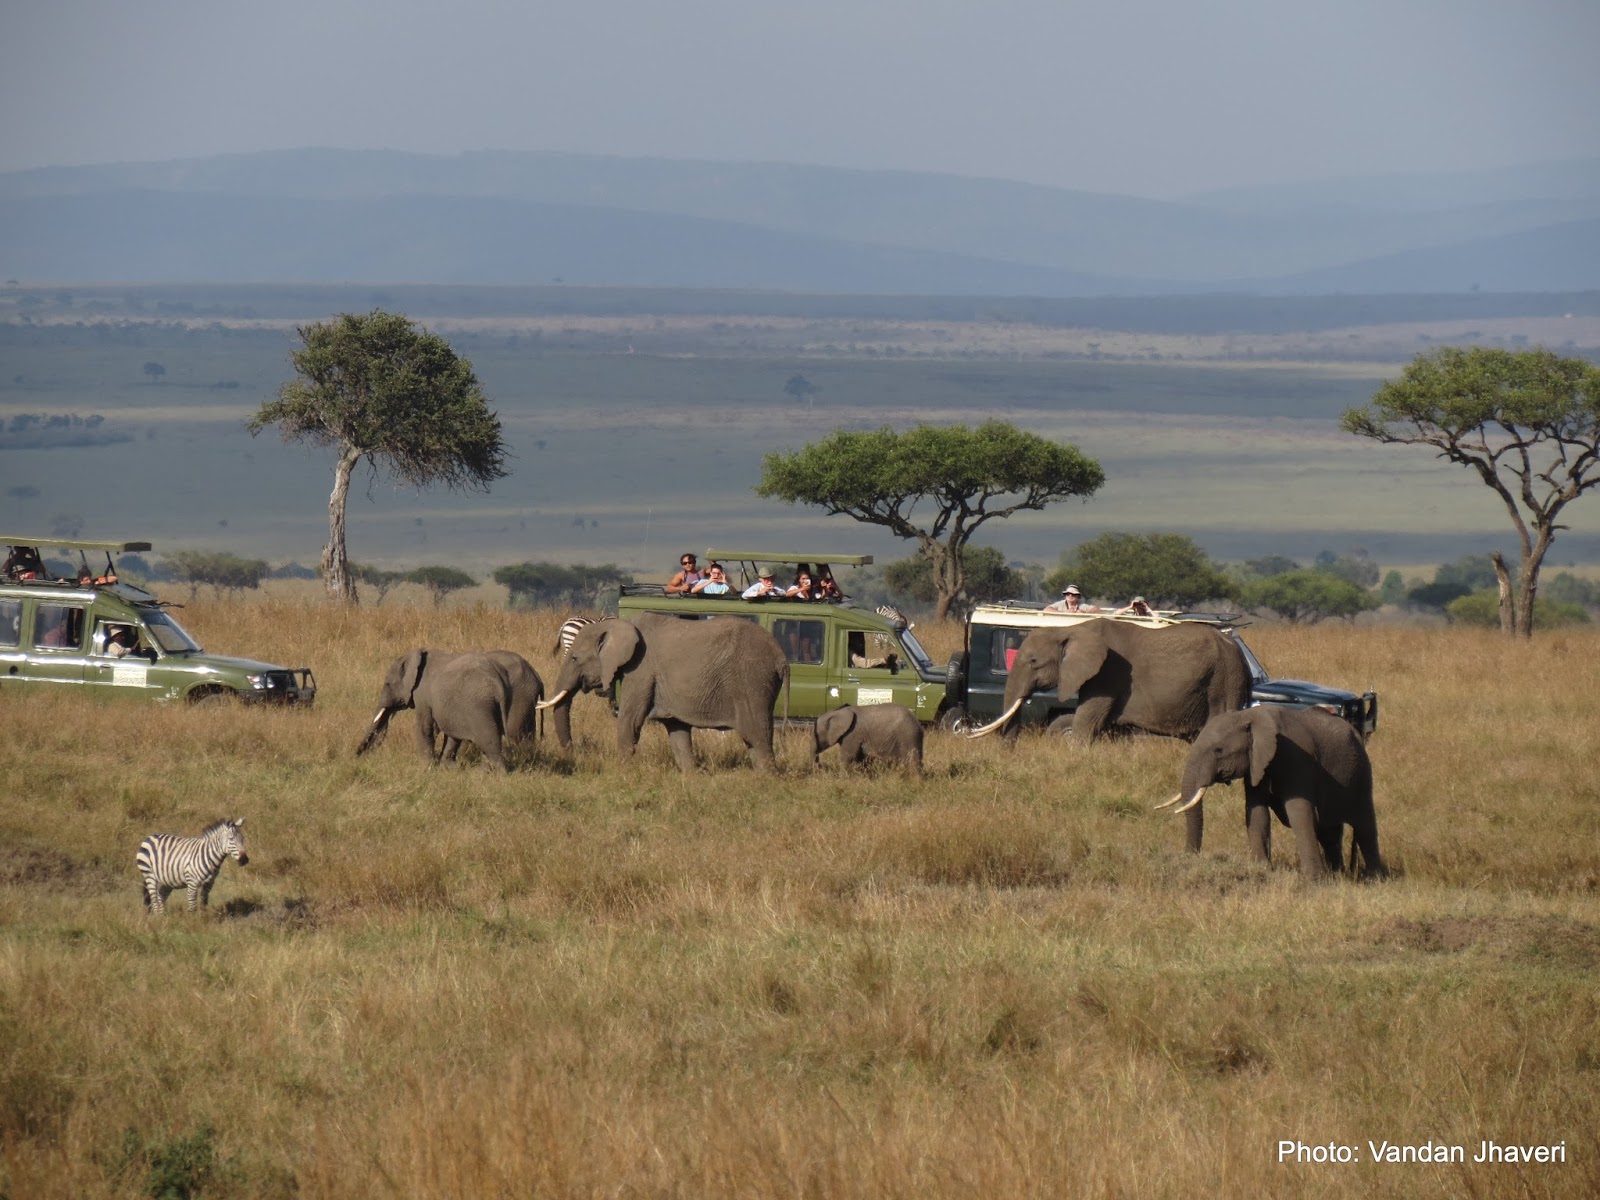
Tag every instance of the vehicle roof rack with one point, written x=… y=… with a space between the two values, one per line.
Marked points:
x=75 y=544
x=833 y=560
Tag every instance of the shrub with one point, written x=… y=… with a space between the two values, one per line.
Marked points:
x=1482 y=608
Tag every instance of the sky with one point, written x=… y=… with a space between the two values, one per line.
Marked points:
x=1155 y=98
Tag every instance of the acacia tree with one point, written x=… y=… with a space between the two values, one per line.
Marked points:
x=955 y=472
x=1528 y=422
x=378 y=387
x=1166 y=568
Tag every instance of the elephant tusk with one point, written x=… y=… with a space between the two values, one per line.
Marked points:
x=1170 y=803
x=1193 y=800
x=380 y=715
x=984 y=730
x=553 y=701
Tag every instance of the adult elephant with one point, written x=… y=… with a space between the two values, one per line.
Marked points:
x=527 y=689
x=1307 y=767
x=477 y=697
x=1170 y=679
x=721 y=673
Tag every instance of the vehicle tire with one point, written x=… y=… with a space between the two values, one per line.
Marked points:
x=213 y=697
x=955 y=680
x=1061 y=726
x=953 y=719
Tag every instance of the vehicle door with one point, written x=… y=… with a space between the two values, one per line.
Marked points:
x=804 y=642
x=12 y=658
x=129 y=675
x=993 y=650
x=56 y=643
x=868 y=668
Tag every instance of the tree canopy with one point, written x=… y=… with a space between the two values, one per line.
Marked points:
x=1167 y=569
x=961 y=478
x=380 y=388
x=578 y=585
x=1305 y=596
x=441 y=581
x=1527 y=422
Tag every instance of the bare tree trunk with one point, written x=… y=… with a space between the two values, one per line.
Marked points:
x=1509 y=623
x=336 y=575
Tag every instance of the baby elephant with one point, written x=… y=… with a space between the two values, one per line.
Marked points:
x=873 y=732
x=1304 y=766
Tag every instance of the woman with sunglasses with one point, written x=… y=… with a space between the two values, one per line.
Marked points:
x=683 y=582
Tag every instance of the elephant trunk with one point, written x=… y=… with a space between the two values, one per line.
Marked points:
x=375 y=734
x=562 y=703
x=999 y=723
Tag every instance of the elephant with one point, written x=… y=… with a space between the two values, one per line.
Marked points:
x=719 y=673
x=1307 y=767
x=1168 y=680
x=527 y=689
x=478 y=697
x=873 y=732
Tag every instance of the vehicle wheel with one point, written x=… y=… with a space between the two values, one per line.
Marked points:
x=212 y=697
x=953 y=720
x=1061 y=726
x=955 y=679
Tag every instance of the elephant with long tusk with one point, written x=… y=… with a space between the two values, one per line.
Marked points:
x=1306 y=767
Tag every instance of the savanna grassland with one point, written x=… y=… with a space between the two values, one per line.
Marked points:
x=598 y=978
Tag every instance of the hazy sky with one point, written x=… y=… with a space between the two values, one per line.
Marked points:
x=1153 y=97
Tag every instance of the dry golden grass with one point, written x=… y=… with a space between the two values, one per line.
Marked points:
x=596 y=978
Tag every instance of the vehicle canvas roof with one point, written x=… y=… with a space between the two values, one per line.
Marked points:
x=74 y=544
x=774 y=556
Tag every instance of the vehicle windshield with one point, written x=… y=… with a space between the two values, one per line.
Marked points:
x=1258 y=673
x=168 y=634
x=919 y=656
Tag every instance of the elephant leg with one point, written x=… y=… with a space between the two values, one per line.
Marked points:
x=448 y=750
x=492 y=752
x=1365 y=838
x=1258 y=822
x=1332 y=852
x=425 y=734
x=1092 y=717
x=1303 y=820
x=630 y=721
x=682 y=743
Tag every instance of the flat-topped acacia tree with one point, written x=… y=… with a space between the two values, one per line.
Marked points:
x=1527 y=421
x=378 y=387
x=962 y=478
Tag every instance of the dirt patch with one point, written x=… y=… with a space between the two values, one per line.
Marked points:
x=35 y=866
x=1551 y=940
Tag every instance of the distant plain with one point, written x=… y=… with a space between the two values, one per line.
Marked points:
x=635 y=437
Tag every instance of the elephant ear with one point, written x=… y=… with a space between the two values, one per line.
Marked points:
x=411 y=668
x=618 y=645
x=1263 y=724
x=836 y=725
x=1081 y=660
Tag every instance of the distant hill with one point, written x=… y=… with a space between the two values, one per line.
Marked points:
x=510 y=218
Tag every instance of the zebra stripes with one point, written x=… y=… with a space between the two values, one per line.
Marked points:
x=568 y=633
x=167 y=861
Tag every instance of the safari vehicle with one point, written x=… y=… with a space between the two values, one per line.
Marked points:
x=107 y=637
x=976 y=677
x=838 y=652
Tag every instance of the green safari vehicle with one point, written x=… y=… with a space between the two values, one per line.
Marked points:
x=105 y=637
x=838 y=653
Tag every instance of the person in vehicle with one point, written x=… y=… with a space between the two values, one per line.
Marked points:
x=121 y=641
x=826 y=586
x=1071 y=602
x=714 y=584
x=803 y=587
x=859 y=658
x=764 y=587
x=1135 y=608
x=23 y=563
x=683 y=582
x=60 y=632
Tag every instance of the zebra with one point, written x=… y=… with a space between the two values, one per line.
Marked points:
x=568 y=633
x=167 y=860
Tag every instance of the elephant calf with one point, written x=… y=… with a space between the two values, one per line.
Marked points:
x=481 y=697
x=871 y=733
x=1304 y=766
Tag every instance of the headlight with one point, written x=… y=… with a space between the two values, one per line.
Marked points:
x=257 y=681
x=1336 y=709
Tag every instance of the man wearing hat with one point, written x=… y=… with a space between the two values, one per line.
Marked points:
x=763 y=586
x=1137 y=607
x=1071 y=602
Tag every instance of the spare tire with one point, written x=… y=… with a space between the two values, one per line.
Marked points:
x=955 y=680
